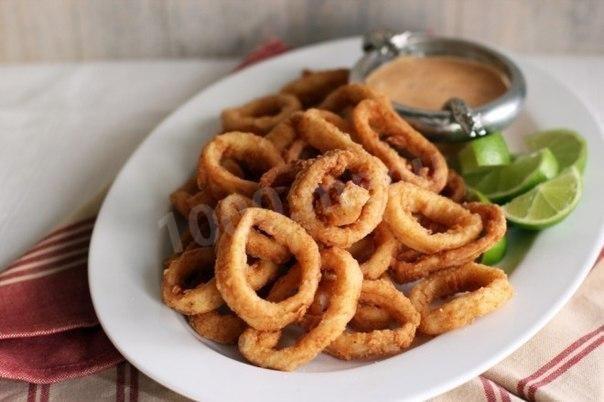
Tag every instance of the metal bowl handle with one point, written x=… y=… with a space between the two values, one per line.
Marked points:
x=469 y=120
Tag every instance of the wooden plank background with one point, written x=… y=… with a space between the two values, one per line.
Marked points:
x=51 y=30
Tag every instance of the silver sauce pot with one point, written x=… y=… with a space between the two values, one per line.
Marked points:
x=456 y=121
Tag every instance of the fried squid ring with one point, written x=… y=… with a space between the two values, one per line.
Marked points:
x=284 y=133
x=233 y=167
x=366 y=312
x=221 y=328
x=286 y=286
x=482 y=290
x=231 y=263
x=261 y=347
x=375 y=252
x=300 y=150
x=275 y=185
x=204 y=296
x=410 y=265
x=257 y=152
x=259 y=245
x=341 y=204
x=379 y=343
x=347 y=97
x=187 y=196
x=317 y=129
x=181 y=196
x=455 y=189
x=260 y=115
x=306 y=134
x=313 y=86
x=370 y=317
x=228 y=164
x=406 y=201
x=365 y=171
x=383 y=133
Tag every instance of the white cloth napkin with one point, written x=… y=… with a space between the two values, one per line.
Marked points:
x=66 y=129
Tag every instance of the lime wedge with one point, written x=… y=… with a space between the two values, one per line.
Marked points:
x=496 y=253
x=482 y=153
x=568 y=147
x=548 y=203
x=505 y=182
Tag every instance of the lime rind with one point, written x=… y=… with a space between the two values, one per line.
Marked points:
x=474 y=195
x=484 y=153
x=548 y=203
x=496 y=253
x=569 y=148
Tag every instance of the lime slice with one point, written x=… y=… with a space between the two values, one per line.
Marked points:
x=505 y=182
x=548 y=203
x=482 y=153
x=496 y=253
x=568 y=147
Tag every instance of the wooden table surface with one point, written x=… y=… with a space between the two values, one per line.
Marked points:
x=58 y=30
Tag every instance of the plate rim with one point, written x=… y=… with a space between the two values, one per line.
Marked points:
x=444 y=386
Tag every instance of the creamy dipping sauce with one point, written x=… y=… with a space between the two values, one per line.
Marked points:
x=428 y=82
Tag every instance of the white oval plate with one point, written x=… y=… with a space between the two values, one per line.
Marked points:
x=129 y=244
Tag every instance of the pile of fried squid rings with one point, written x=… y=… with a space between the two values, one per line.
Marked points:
x=320 y=198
